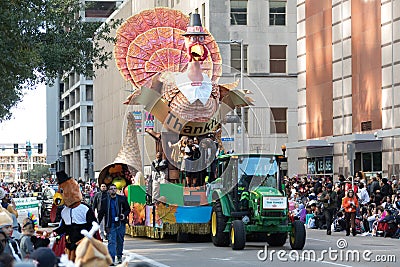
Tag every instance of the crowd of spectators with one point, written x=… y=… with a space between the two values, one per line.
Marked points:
x=370 y=205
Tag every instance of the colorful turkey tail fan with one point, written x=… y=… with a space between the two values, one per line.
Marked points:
x=34 y=220
x=151 y=42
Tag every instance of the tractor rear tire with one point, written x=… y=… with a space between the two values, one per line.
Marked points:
x=218 y=224
x=238 y=235
x=277 y=239
x=298 y=235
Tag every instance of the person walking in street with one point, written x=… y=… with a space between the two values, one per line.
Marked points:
x=97 y=199
x=350 y=205
x=115 y=210
x=329 y=199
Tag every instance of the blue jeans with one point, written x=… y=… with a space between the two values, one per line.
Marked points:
x=116 y=240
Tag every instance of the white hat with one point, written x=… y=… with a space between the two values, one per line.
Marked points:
x=5 y=218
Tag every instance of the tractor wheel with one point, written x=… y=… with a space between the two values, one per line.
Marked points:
x=298 y=235
x=218 y=224
x=277 y=239
x=238 y=235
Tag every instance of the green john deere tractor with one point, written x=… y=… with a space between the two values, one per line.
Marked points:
x=249 y=202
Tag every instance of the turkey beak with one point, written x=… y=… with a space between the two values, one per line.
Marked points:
x=197 y=52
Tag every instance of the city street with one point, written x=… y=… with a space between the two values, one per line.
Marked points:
x=164 y=253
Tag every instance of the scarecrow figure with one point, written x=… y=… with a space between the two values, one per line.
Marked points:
x=75 y=216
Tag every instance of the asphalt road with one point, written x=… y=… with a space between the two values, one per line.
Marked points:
x=320 y=250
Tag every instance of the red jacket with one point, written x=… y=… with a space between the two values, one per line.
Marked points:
x=350 y=204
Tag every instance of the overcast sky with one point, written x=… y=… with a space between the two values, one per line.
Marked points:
x=28 y=121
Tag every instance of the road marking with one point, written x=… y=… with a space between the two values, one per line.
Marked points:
x=221 y=259
x=326 y=262
x=135 y=256
x=318 y=240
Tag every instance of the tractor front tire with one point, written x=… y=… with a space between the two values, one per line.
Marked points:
x=277 y=239
x=298 y=235
x=238 y=235
x=218 y=224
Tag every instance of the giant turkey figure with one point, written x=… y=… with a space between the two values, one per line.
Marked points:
x=182 y=69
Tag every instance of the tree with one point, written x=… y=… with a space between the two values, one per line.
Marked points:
x=39 y=171
x=40 y=40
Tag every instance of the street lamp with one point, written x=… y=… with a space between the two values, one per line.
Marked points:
x=283 y=148
x=242 y=126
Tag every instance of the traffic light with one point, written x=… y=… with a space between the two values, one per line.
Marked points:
x=86 y=154
x=28 y=148
x=15 y=148
x=40 y=148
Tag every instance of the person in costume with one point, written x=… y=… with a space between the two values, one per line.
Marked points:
x=75 y=216
x=92 y=252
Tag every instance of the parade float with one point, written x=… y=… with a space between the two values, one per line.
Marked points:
x=174 y=65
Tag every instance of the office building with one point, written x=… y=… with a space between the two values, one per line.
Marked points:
x=70 y=110
x=348 y=90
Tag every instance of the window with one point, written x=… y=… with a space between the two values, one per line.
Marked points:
x=368 y=161
x=243 y=119
x=278 y=120
x=320 y=166
x=277 y=58
x=235 y=57
x=99 y=9
x=89 y=92
x=277 y=13
x=238 y=12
